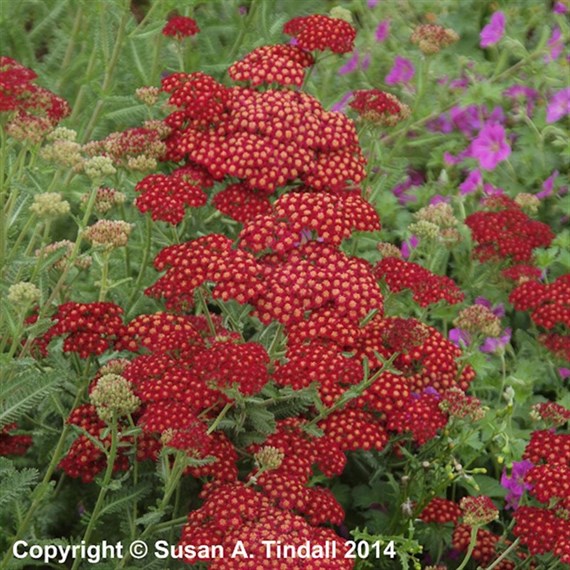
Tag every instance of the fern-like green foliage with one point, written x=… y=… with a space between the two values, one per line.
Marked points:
x=15 y=484
x=23 y=388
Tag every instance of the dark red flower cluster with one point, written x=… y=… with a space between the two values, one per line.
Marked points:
x=549 y=302
x=315 y=276
x=504 y=232
x=283 y=64
x=234 y=512
x=166 y=196
x=427 y=287
x=89 y=328
x=332 y=217
x=522 y=272
x=426 y=358
x=319 y=32
x=18 y=93
x=211 y=258
x=546 y=528
x=485 y=548
x=264 y=138
x=180 y=27
x=13 y=444
x=242 y=203
x=85 y=459
x=379 y=107
x=441 y=511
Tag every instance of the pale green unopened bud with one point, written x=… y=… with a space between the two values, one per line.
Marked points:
x=148 y=95
x=99 y=167
x=113 y=395
x=62 y=152
x=268 y=458
x=62 y=134
x=49 y=205
x=109 y=234
x=341 y=13
x=23 y=293
x=424 y=230
x=528 y=202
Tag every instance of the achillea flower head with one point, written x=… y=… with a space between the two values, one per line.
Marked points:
x=440 y=511
x=431 y=38
x=282 y=64
x=113 y=396
x=180 y=27
x=319 y=32
x=478 y=511
x=81 y=261
x=108 y=234
x=478 y=319
x=388 y=250
x=402 y=71
x=98 y=167
x=242 y=203
x=27 y=128
x=105 y=200
x=528 y=202
x=553 y=414
x=458 y=404
x=558 y=105
x=494 y=30
x=49 y=205
x=23 y=293
x=427 y=287
x=167 y=196
x=148 y=95
x=269 y=458
x=13 y=444
x=440 y=214
x=379 y=107
x=63 y=152
x=425 y=230
x=491 y=146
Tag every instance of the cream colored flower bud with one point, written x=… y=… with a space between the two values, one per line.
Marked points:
x=113 y=394
x=99 y=167
x=23 y=293
x=109 y=234
x=268 y=458
x=49 y=205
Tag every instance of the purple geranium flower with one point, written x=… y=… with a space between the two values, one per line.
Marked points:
x=548 y=185
x=497 y=344
x=402 y=71
x=351 y=64
x=458 y=336
x=493 y=31
x=340 y=106
x=408 y=246
x=555 y=44
x=516 y=484
x=382 y=31
x=473 y=182
x=564 y=373
x=439 y=199
x=558 y=106
x=491 y=146
x=559 y=8
x=498 y=310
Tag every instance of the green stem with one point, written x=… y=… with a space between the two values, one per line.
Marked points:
x=104 y=287
x=142 y=270
x=503 y=556
x=472 y=543
x=220 y=417
x=70 y=50
x=204 y=308
x=112 y=456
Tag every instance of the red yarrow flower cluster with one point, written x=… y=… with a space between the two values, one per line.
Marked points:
x=319 y=32
x=180 y=27
x=207 y=259
x=166 y=196
x=242 y=203
x=13 y=444
x=89 y=328
x=266 y=139
x=441 y=511
x=427 y=287
x=282 y=64
x=504 y=232
x=379 y=107
x=18 y=93
x=332 y=217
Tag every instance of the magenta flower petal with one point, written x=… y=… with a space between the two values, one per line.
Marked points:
x=493 y=31
x=382 y=31
x=558 y=106
x=351 y=65
x=458 y=336
x=402 y=71
x=473 y=181
x=491 y=146
x=548 y=185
